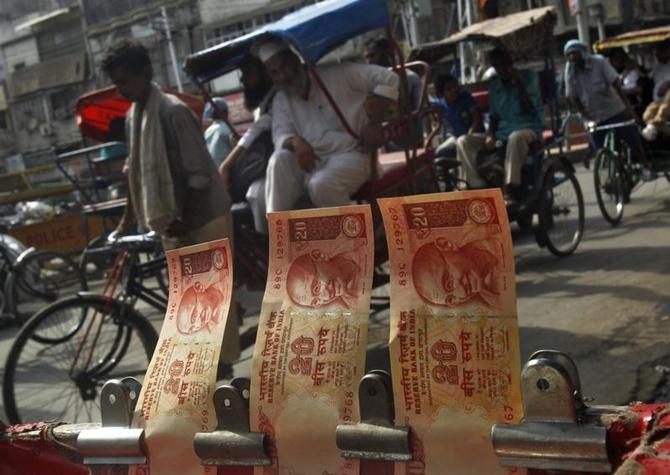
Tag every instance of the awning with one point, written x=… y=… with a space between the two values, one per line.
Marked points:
x=42 y=18
x=524 y=34
x=55 y=72
x=638 y=37
x=313 y=31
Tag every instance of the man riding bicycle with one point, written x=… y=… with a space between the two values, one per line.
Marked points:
x=592 y=85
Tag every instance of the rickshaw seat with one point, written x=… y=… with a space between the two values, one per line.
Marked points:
x=394 y=171
x=547 y=141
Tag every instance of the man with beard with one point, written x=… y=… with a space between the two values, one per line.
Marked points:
x=314 y=153
x=379 y=51
x=244 y=168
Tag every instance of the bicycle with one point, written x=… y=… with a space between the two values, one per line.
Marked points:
x=616 y=174
x=31 y=279
x=63 y=355
x=549 y=190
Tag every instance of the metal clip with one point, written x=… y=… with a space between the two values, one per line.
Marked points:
x=232 y=443
x=375 y=437
x=552 y=436
x=115 y=442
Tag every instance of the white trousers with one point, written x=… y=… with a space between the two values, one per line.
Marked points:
x=332 y=183
x=518 y=144
x=256 y=198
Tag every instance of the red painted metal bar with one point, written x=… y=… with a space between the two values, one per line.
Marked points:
x=317 y=79
x=638 y=439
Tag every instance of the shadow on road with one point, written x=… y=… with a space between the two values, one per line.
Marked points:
x=564 y=275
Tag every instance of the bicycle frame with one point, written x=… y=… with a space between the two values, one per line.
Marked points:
x=135 y=288
x=625 y=163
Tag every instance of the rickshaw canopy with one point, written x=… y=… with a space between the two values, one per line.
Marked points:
x=524 y=35
x=312 y=32
x=96 y=110
x=638 y=37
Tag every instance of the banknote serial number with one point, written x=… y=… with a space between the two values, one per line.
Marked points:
x=280 y=237
x=398 y=237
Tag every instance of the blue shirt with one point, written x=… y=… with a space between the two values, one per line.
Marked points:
x=458 y=114
x=592 y=85
x=217 y=137
x=504 y=103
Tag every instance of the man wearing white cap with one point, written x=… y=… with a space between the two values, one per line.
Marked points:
x=314 y=154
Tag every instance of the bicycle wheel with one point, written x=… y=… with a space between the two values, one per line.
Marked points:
x=39 y=279
x=62 y=380
x=561 y=211
x=609 y=185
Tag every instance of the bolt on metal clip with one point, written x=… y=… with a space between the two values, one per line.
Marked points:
x=375 y=437
x=552 y=435
x=232 y=443
x=115 y=442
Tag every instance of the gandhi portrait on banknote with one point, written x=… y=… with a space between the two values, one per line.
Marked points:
x=199 y=309
x=447 y=275
x=316 y=280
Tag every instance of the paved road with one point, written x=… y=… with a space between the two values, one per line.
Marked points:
x=608 y=305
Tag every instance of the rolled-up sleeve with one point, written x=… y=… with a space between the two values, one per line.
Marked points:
x=283 y=127
x=373 y=79
x=609 y=73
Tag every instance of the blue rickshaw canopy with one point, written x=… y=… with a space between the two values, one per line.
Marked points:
x=312 y=32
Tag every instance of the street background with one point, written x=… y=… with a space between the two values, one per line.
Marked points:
x=608 y=305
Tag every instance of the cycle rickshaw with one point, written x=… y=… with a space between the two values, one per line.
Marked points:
x=550 y=189
x=615 y=172
x=126 y=339
x=312 y=32
x=578 y=439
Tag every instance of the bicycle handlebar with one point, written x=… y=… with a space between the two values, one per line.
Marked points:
x=114 y=238
x=132 y=242
x=594 y=127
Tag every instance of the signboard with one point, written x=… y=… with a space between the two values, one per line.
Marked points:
x=62 y=233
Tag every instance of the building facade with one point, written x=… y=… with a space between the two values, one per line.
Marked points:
x=51 y=50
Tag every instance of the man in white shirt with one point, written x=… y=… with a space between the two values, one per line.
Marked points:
x=314 y=153
x=661 y=72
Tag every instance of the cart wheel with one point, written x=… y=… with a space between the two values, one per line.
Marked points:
x=561 y=211
x=609 y=185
